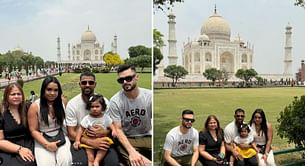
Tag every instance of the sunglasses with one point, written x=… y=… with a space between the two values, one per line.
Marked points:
x=189 y=120
x=127 y=79
x=87 y=82
x=240 y=116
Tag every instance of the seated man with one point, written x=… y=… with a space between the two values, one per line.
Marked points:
x=76 y=110
x=181 y=143
x=130 y=111
x=230 y=132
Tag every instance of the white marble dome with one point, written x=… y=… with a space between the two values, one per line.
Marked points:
x=217 y=28
x=88 y=36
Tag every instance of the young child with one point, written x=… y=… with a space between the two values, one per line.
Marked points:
x=244 y=138
x=97 y=117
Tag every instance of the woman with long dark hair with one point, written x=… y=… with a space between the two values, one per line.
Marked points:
x=211 y=143
x=16 y=142
x=262 y=137
x=46 y=120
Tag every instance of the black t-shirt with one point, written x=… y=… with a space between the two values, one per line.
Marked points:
x=18 y=134
x=211 y=146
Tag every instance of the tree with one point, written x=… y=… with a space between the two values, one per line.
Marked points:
x=158 y=44
x=224 y=76
x=212 y=74
x=144 y=61
x=112 y=59
x=158 y=41
x=260 y=80
x=300 y=3
x=157 y=58
x=164 y=4
x=141 y=61
x=28 y=61
x=175 y=73
x=2 y=64
x=138 y=50
x=39 y=62
x=291 y=122
x=246 y=74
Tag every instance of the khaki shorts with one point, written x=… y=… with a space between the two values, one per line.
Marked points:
x=184 y=161
x=141 y=144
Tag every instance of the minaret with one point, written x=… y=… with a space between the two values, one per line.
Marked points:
x=172 y=51
x=288 y=56
x=115 y=44
x=58 y=51
x=69 y=53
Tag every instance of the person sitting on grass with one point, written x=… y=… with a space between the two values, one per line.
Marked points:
x=97 y=116
x=244 y=138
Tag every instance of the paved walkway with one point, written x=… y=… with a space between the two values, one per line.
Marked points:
x=4 y=82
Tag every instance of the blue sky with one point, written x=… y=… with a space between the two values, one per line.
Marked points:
x=34 y=25
x=260 y=22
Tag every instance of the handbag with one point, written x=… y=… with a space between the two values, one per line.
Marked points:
x=262 y=148
x=60 y=136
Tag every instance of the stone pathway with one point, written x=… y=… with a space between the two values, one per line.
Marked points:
x=4 y=82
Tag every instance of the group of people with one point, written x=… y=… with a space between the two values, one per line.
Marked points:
x=239 y=144
x=87 y=130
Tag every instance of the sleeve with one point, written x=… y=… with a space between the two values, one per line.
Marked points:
x=196 y=138
x=107 y=104
x=168 y=144
x=228 y=135
x=71 y=118
x=150 y=103
x=202 y=138
x=251 y=138
x=236 y=140
x=85 y=122
x=114 y=110
x=107 y=120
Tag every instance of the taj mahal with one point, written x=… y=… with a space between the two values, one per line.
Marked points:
x=88 y=51
x=215 y=48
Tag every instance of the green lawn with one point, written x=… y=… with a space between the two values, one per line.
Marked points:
x=169 y=103
x=106 y=84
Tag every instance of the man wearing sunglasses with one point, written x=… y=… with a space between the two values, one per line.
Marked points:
x=182 y=142
x=75 y=112
x=230 y=132
x=130 y=110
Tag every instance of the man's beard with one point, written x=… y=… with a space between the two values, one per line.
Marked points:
x=87 y=92
x=187 y=126
x=128 y=87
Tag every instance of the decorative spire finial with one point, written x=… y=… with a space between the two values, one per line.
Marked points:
x=88 y=28
x=215 y=9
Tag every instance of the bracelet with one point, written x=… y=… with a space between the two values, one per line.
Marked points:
x=18 y=150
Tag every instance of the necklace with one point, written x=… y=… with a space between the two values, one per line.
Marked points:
x=15 y=116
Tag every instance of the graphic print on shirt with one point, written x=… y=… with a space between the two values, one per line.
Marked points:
x=184 y=144
x=135 y=116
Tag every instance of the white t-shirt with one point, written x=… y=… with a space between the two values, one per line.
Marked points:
x=231 y=131
x=180 y=144
x=247 y=140
x=76 y=110
x=133 y=114
x=104 y=121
